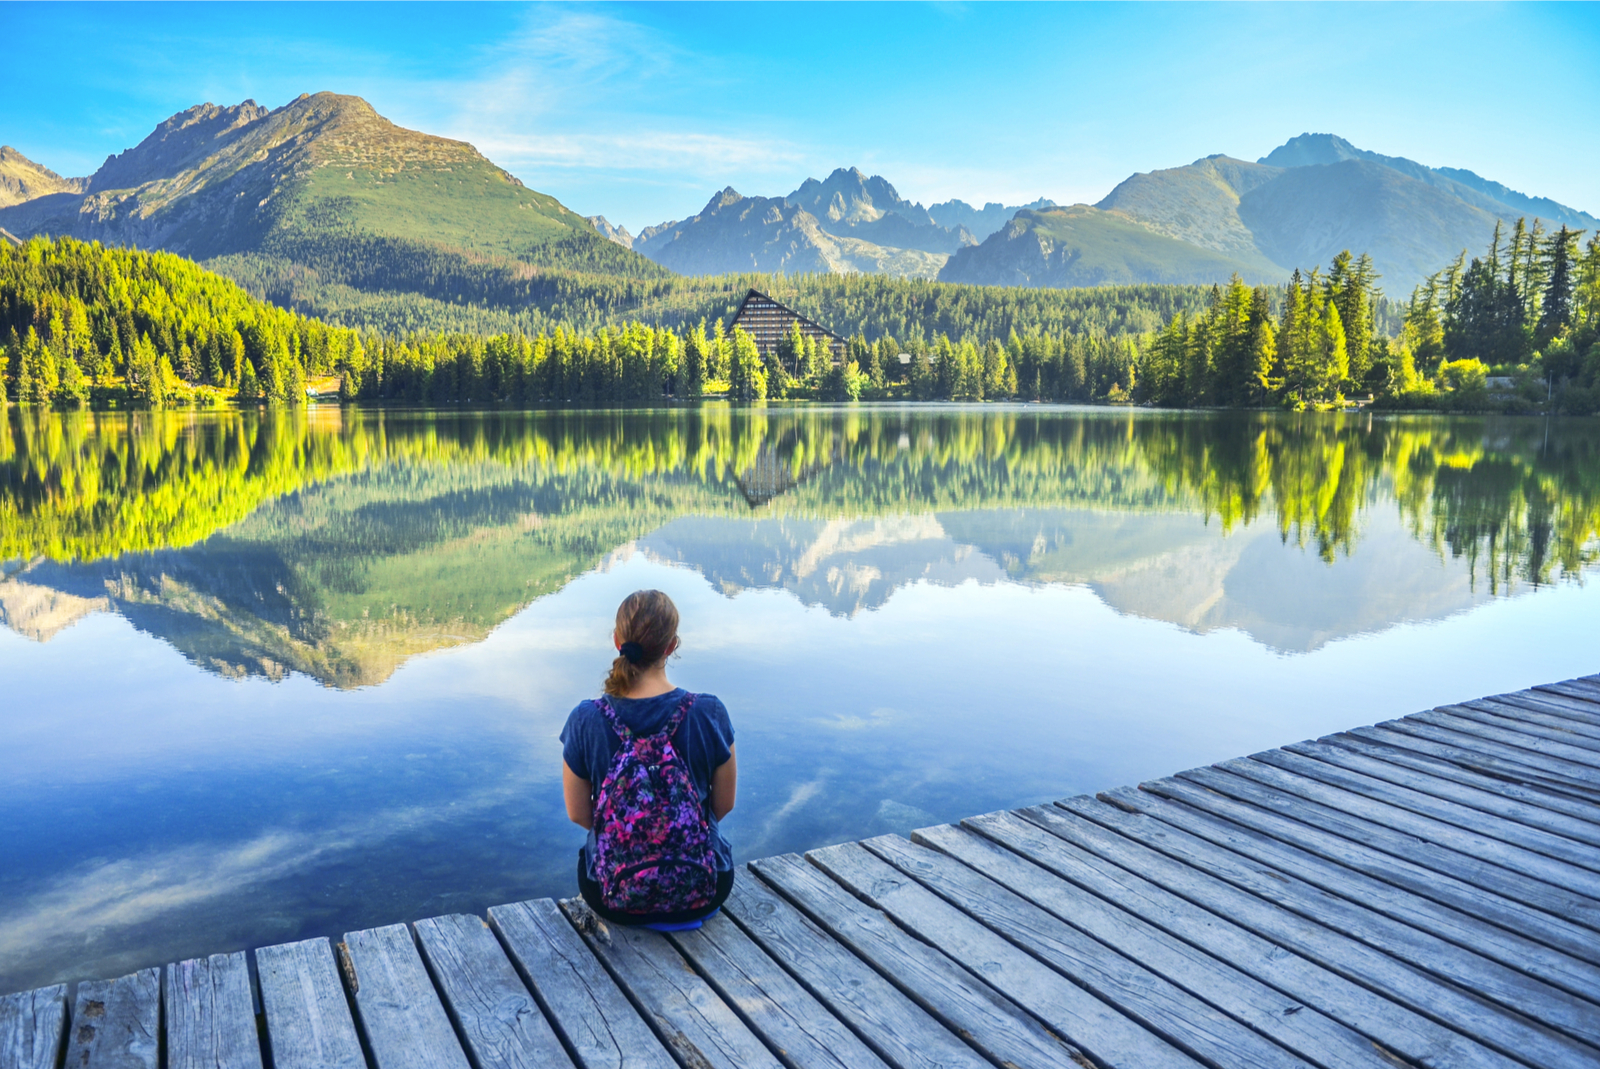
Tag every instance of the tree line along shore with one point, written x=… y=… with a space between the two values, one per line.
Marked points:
x=1514 y=328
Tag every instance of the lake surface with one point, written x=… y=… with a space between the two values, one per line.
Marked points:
x=270 y=677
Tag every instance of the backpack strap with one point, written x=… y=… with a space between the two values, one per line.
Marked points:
x=677 y=718
x=613 y=719
x=626 y=732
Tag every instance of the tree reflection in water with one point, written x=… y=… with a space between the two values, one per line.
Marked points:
x=339 y=542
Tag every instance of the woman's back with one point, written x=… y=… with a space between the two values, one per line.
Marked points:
x=704 y=742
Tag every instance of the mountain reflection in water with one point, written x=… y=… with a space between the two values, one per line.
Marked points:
x=339 y=543
x=269 y=676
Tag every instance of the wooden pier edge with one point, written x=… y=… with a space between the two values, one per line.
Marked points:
x=1425 y=891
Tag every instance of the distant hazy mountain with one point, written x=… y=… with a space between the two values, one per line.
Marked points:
x=845 y=223
x=324 y=187
x=849 y=223
x=981 y=222
x=618 y=234
x=851 y=205
x=1315 y=150
x=1298 y=206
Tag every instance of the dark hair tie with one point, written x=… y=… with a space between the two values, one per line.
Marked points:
x=633 y=652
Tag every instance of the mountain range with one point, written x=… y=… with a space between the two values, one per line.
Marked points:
x=326 y=206
x=1297 y=207
x=846 y=223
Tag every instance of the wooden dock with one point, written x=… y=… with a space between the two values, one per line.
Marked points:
x=1425 y=892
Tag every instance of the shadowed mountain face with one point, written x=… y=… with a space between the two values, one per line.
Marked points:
x=339 y=544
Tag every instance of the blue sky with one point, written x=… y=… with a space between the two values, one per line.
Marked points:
x=640 y=111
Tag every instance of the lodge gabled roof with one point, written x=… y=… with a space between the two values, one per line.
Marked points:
x=806 y=325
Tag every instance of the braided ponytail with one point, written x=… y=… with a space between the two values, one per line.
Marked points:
x=647 y=628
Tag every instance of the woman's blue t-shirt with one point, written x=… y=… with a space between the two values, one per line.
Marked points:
x=704 y=741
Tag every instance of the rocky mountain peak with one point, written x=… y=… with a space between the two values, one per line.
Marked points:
x=179 y=142
x=1312 y=150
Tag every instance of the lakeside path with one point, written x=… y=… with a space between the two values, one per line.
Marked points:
x=1422 y=892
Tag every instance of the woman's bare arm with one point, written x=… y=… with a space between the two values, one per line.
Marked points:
x=724 y=786
x=580 y=805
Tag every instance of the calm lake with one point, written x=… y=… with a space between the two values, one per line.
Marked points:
x=264 y=677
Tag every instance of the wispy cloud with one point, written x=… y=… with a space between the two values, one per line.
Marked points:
x=646 y=150
x=109 y=902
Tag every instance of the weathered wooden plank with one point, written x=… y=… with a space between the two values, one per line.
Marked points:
x=1226 y=989
x=1095 y=1026
x=1526 y=722
x=1582 y=860
x=1441 y=769
x=1456 y=791
x=1440 y=745
x=1304 y=982
x=1503 y=965
x=1550 y=930
x=1585 y=762
x=988 y=1020
x=697 y=1026
x=308 y=1016
x=405 y=1024
x=32 y=1024
x=1403 y=982
x=116 y=1023
x=1140 y=993
x=210 y=1014
x=499 y=1022
x=583 y=1003
x=1585 y=689
x=898 y=1030
x=1259 y=789
x=1553 y=771
x=1584 y=710
x=783 y=1013
x=1546 y=712
x=1426 y=828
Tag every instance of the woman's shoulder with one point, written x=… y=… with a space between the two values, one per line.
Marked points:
x=711 y=708
x=702 y=700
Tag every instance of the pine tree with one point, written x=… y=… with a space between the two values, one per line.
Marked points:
x=1560 y=254
x=747 y=379
x=1262 y=362
x=74 y=388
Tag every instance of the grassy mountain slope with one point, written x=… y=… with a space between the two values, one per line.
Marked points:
x=1198 y=203
x=1084 y=246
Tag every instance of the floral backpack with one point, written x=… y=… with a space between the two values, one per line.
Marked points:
x=653 y=846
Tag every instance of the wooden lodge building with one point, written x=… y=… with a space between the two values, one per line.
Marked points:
x=769 y=322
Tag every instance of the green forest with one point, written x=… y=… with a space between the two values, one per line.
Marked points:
x=1526 y=312
x=1512 y=329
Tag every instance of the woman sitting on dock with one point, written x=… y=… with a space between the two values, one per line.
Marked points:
x=666 y=773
